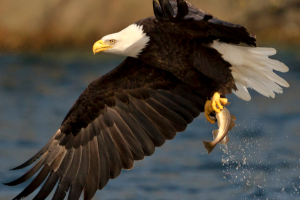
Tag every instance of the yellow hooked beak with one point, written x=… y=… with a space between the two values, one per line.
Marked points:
x=100 y=46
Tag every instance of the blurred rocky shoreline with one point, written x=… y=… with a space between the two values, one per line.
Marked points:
x=59 y=24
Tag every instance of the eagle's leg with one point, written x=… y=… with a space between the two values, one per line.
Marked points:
x=216 y=104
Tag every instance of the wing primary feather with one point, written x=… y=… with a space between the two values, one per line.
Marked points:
x=75 y=191
x=34 y=184
x=173 y=107
x=69 y=176
x=47 y=187
x=196 y=100
x=121 y=146
x=48 y=146
x=127 y=135
x=30 y=173
x=65 y=164
x=61 y=189
x=114 y=160
x=84 y=165
x=53 y=154
x=92 y=182
x=139 y=133
x=79 y=182
x=160 y=122
x=186 y=104
x=173 y=118
x=55 y=162
x=153 y=133
x=103 y=158
x=64 y=183
x=75 y=165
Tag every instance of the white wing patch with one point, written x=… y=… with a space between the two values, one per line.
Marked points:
x=252 y=68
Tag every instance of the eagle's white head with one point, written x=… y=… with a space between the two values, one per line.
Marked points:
x=128 y=42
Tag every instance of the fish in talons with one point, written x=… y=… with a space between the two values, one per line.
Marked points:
x=225 y=123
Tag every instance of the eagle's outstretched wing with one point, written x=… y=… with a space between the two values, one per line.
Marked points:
x=119 y=118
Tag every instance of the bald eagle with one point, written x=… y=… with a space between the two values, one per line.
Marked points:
x=181 y=62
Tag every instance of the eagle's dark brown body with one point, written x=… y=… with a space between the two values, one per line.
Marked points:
x=125 y=114
x=182 y=47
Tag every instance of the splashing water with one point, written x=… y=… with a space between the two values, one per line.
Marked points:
x=248 y=165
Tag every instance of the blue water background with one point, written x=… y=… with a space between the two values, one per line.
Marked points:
x=261 y=161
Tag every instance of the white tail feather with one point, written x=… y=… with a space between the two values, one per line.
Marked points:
x=251 y=68
x=263 y=51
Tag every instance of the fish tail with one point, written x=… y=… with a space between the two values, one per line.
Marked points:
x=208 y=146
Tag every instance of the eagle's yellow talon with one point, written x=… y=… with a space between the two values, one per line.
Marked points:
x=224 y=101
x=219 y=105
x=209 y=119
x=208 y=110
x=216 y=104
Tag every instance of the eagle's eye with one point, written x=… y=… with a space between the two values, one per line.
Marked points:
x=112 y=41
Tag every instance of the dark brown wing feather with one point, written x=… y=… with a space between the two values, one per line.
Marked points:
x=119 y=118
